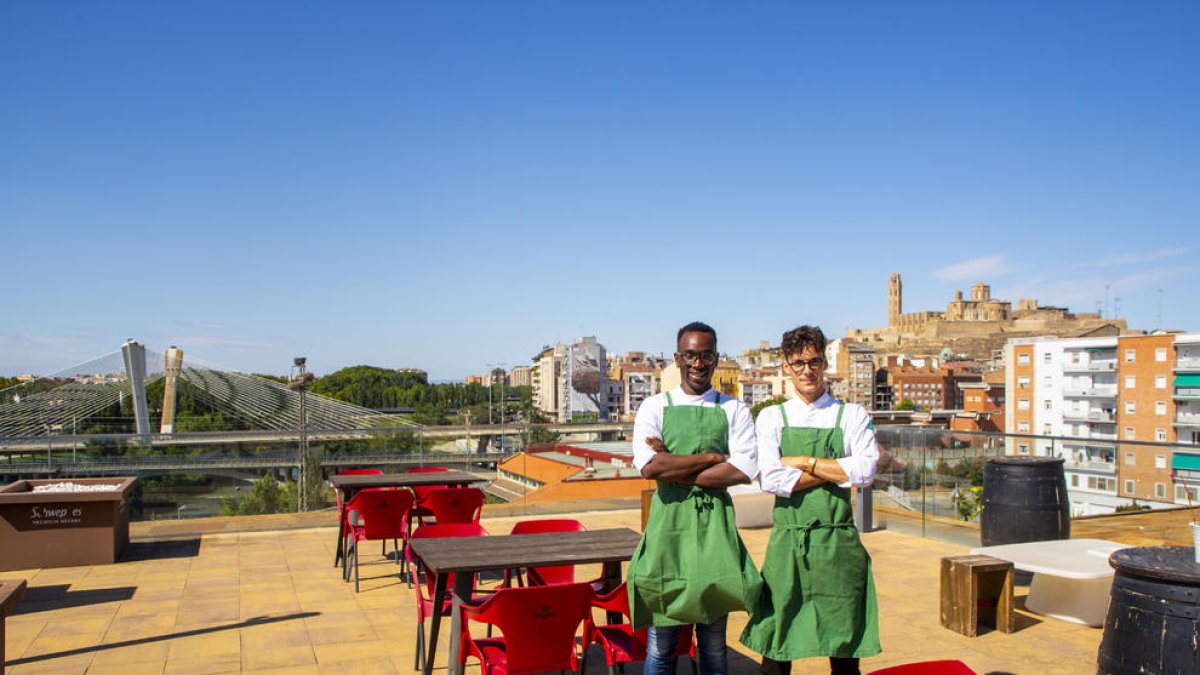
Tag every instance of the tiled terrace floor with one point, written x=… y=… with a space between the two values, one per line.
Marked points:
x=270 y=601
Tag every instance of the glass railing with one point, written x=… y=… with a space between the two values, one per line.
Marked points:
x=928 y=479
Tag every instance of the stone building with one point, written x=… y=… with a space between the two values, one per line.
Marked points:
x=977 y=326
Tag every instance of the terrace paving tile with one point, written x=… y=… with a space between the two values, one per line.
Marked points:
x=270 y=599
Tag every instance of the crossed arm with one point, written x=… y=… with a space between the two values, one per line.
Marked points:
x=708 y=469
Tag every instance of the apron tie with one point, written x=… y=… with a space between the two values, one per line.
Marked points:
x=806 y=530
x=702 y=499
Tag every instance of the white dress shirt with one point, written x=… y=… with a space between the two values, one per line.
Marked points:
x=743 y=447
x=858 y=437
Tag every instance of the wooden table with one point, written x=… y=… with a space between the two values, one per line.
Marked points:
x=1071 y=577
x=11 y=594
x=350 y=485
x=464 y=556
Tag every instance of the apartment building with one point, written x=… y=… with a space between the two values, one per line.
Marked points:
x=639 y=382
x=545 y=376
x=519 y=376
x=982 y=404
x=929 y=388
x=851 y=371
x=1113 y=398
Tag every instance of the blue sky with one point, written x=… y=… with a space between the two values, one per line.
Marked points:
x=446 y=185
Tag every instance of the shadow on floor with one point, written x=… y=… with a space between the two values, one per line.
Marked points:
x=59 y=596
x=162 y=550
x=256 y=621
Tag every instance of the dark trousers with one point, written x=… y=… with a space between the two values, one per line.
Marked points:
x=837 y=666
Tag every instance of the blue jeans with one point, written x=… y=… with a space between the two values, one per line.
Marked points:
x=710 y=648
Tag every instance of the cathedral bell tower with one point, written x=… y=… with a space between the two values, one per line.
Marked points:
x=895 y=300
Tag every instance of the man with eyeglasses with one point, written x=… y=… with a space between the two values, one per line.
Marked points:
x=819 y=595
x=691 y=567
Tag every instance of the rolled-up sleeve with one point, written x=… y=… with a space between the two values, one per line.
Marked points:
x=862 y=454
x=647 y=424
x=775 y=478
x=743 y=448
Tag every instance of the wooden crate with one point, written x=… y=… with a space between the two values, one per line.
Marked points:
x=977 y=589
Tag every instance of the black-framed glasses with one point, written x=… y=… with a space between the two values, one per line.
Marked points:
x=706 y=358
x=816 y=363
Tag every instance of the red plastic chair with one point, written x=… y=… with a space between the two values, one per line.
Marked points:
x=537 y=623
x=947 y=667
x=377 y=515
x=555 y=574
x=426 y=584
x=620 y=642
x=341 y=506
x=455 y=505
x=423 y=491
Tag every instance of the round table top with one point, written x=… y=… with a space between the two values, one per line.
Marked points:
x=1174 y=564
x=1025 y=461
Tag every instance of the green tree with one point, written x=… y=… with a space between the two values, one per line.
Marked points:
x=905 y=404
x=267 y=495
x=762 y=405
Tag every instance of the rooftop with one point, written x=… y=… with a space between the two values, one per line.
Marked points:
x=196 y=597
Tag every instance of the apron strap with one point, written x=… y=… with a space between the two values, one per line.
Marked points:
x=783 y=411
x=669 y=401
x=838 y=423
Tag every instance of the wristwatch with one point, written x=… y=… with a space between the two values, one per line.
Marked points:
x=812 y=464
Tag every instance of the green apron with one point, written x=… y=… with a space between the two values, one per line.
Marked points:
x=691 y=566
x=819 y=598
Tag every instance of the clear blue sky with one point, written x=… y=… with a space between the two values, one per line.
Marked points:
x=449 y=184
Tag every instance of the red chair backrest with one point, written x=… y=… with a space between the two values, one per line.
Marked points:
x=455 y=505
x=538 y=623
x=422 y=491
x=425 y=592
x=946 y=667
x=557 y=574
x=385 y=512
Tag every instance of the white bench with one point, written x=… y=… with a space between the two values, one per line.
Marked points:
x=1071 y=577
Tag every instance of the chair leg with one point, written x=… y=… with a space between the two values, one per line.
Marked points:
x=419 y=661
x=355 y=567
x=396 y=547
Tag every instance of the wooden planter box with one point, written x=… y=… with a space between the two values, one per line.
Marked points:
x=63 y=529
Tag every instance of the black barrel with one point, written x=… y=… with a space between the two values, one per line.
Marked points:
x=1153 y=621
x=1024 y=499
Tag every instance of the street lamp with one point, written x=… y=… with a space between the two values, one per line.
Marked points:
x=299 y=383
x=503 y=376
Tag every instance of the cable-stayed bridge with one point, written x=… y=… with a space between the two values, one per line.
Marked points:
x=70 y=398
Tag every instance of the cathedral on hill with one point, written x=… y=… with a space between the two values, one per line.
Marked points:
x=978 y=326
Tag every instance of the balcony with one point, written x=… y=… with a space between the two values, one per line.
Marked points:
x=1093 y=416
x=1187 y=365
x=1102 y=366
x=1187 y=420
x=1091 y=392
x=1101 y=466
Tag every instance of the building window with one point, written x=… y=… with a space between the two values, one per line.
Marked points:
x=1074 y=357
x=1160 y=355
x=1130 y=382
x=1022 y=404
x=1129 y=487
x=1160 y=407
x=1130 y=355
x=1130 y=434
x=1160 y=490
x=1160 y=435
x=1023 y=359
x=1046 y=404
x=1046 y=358
x=1160 y=381
x=1022 y=449
x=1047 y=429
x=1130 y=407
x=1022 y=427
x=1022 y=383
x=1160 y=461
x=1187 y=494
x=1130 y=459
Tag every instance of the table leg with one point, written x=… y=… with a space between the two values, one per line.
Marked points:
x=612 y=579
x=439 y=592
x=463 y=585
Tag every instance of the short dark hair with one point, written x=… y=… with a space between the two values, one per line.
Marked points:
x=695 y=327
x=796 y=339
